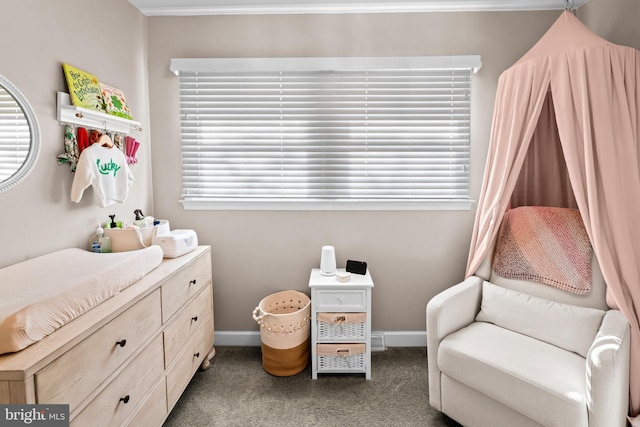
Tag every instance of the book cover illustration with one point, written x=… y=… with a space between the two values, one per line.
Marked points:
x=84 y=88
x=115 y=102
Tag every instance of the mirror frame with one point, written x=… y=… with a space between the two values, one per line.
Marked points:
x=34 y=128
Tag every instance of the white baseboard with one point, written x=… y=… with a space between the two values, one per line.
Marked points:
x=237 y=338
x=380 y=339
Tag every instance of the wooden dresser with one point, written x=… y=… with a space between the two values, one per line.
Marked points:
x=128 y=360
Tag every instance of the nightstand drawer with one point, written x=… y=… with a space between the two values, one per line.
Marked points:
x=341 y=300
x=341 y=357
x=344 y=327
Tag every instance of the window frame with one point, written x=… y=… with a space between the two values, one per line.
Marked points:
x=466 y=62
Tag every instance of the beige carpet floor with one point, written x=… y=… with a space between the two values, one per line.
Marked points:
x=236 y=391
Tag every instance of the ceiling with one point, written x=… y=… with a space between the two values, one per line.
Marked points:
x=240 y=7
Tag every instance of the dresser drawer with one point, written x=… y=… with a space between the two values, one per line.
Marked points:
x=118 y=401
x=184 y=285
x=77 y=373
x=154 y=410
x=188 y=361
x=186 y=323
x=341 y=300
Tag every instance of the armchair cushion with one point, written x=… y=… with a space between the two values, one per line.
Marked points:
x=539 y=380
x=570 y=327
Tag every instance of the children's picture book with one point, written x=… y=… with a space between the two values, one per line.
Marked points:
x=84 y=88
x=114 y=101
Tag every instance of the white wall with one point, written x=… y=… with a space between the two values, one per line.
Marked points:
x=105 y=38
x=615 y=20
x=412 y=255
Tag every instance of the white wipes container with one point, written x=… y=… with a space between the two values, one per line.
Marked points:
x=176 y=242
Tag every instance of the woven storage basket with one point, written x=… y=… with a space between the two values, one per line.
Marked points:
x=284 y=319
x=133 y=238
x=341 y=356
x=341 y=326
x=285 y=362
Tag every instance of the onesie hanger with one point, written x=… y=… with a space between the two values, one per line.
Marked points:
x=104 y=139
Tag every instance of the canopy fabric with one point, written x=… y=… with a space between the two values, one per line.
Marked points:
x=577 y=91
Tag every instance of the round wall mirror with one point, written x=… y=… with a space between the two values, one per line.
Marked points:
x=19 y=136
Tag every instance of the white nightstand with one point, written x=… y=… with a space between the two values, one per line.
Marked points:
x=340 y=324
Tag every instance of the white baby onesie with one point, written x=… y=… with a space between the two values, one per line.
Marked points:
x=107 y=170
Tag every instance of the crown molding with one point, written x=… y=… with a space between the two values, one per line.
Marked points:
x=263 y=7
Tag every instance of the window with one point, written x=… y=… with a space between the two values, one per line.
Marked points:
x=325 y=133
x=15 y=136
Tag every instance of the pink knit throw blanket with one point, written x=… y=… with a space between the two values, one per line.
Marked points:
x=547 y=245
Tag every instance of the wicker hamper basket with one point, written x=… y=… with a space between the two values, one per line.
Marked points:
x=284 y=330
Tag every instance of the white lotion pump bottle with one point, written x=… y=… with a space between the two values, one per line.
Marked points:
x=105 y=241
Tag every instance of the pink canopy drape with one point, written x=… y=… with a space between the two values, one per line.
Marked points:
x=576 y=91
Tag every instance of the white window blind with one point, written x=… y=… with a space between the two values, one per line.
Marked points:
x=14 y=136
x=325 y=132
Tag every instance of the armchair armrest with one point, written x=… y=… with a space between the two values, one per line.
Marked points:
x=447 y=312
x=608 y=372
x=453 y=309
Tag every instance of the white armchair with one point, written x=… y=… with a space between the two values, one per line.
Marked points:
x=506 y=352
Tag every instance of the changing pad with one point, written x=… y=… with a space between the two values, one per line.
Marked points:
x=45 y=293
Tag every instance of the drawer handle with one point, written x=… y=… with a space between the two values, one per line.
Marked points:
x=196 y=355
x=340 y=300
x=121 y=343
x=194 y=318
x=192 y=282
x=125 y=399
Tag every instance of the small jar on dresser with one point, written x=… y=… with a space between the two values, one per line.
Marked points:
x=340 y=324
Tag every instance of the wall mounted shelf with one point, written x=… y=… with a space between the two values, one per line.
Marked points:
x=69 y=113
